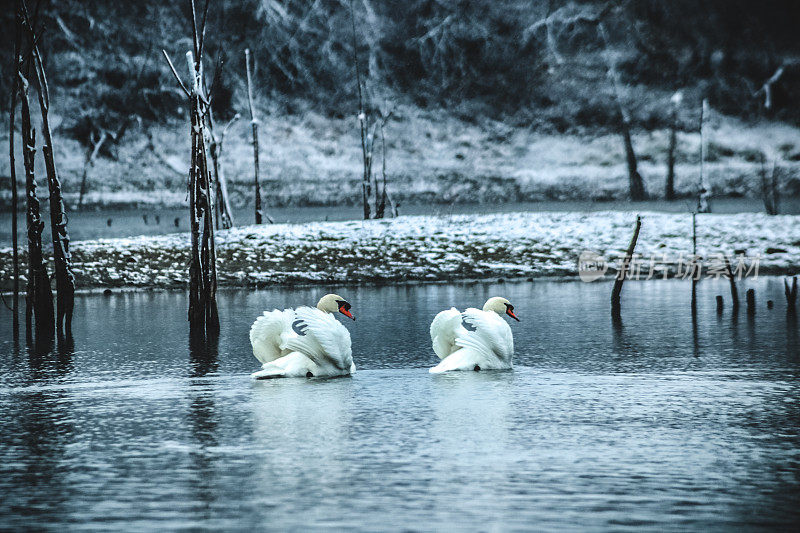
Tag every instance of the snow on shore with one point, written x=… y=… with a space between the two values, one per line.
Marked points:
x=429 y=248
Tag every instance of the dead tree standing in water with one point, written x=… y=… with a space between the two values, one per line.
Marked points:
x=65 y=279
x=16 y=67
x=254 y=124
x=623 y=272
x=203 y=316
x=39 y=295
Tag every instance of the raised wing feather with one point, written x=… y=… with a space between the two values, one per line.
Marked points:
x=445 y=329
x=492 y=336
x=269 y=333
x=324 y=340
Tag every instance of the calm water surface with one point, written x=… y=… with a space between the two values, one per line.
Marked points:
x=656 y=424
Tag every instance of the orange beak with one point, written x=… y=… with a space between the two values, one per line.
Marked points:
x=346 y=313
x=510 y=313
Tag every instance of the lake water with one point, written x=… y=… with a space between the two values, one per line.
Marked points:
x=659 y=423
x=129 y=222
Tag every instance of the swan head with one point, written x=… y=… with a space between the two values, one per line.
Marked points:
x=333 y=303
x=501 y=306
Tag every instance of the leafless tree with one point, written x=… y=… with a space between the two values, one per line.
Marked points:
x=568 y=17
x=98 y=139
x=65 y=279
x=703 y=191
x=373 y=196
x=254 y=125
x=223 y=211
x=635 y=182
x=766 y=88
x=39 y=295
x=623 y=273
x=769 y=187
x=16 y=68
x=675 y=102
x=203 y=315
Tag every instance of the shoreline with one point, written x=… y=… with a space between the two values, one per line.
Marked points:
x=429 y=249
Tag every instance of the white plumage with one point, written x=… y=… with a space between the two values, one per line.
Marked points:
x=475 y=339
x=302 y=342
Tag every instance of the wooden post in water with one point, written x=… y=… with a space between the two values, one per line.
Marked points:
x=791 y=295
x=617 y=290
x=694 y=258
x=751 y=301
x=720 y=304
x=734 y=292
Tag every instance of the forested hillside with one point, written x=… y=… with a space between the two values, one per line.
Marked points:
x=491 y=64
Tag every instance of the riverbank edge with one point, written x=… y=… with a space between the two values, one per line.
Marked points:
x=431 y=249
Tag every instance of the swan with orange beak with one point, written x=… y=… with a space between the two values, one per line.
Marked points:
x=475 y=339
x=304 y=342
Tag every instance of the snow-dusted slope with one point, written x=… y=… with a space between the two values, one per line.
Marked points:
x=431 y=248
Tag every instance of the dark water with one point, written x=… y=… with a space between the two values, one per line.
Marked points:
x=130 y=222
x=654 y=424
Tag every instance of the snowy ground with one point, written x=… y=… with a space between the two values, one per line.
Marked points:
x=432 y=158
x=424 y=248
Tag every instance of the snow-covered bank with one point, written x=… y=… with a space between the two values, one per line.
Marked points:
x=424 y=248
x=433 y=157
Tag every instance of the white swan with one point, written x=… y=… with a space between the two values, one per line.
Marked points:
x=474 y=339
x=303 y=342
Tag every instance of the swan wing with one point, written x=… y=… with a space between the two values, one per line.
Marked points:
x=445 y=329
x=490 y=336
x=269 y=333
x=321 y=338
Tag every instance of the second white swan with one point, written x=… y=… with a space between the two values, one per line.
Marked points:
x=303 y=342
x=475 y=339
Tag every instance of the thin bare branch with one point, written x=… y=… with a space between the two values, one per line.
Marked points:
x=175 y=73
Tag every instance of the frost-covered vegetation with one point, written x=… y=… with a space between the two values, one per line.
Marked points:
x=507 y=245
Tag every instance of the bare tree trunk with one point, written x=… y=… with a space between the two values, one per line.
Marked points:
x=224 y=211
x=635 y=182
x=16 y=67
x=703 y=194
x=254 y=123
x=694 y=258
x=380 y=203
x=791 y=295
x=769 y=187
x=203 y=315
x=65 y=279
x=91 y=155
x=617 y=290
x=734 y=292
x=39 y=295
x=362 y=123
x=669 y=192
